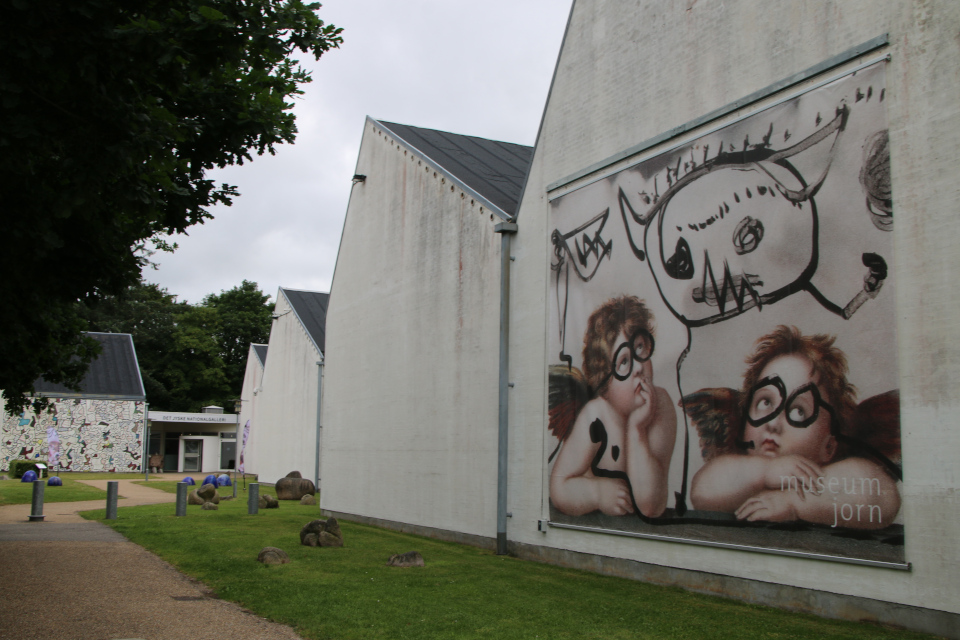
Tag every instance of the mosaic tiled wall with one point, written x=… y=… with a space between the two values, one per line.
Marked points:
x=95 y=435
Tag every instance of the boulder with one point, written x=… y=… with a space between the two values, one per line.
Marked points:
x=273 y=555
x=268 y=502
x=308 y=499
x=321 y=533
x=209 y=493
x=193 y=498
x=294 y=488
x=408 y=559
x=209 y=506
x=327 y=539
x=294 y=474
x=190 y=481
x=210 y=479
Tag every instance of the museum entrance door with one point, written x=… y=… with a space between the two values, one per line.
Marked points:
x=192 y=454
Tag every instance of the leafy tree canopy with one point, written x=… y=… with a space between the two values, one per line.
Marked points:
x=112 y=114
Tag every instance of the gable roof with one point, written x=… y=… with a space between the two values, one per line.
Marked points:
x=261 y=351
x=310 y=308
x=494 y=171
x=114 y=374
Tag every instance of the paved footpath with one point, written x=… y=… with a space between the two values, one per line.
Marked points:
x=72 y=579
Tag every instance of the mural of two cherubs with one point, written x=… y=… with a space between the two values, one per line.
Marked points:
x=733 y=288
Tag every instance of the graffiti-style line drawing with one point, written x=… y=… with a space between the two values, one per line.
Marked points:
x=585 y=247
x=875 y=178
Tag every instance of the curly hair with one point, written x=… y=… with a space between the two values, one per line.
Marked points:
x=627 y=314
x=829 y=365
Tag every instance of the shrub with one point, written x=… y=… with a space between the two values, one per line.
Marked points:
x=20 y=467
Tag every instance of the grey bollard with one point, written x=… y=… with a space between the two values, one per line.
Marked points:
x=253 y=499
x=112 y=499
x=182 y=498
x=36 y=506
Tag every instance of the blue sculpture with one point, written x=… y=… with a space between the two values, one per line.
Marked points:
x=190 y=481
x=223 y=480
x=210 y=479
x=29 y=476
x=54 y=481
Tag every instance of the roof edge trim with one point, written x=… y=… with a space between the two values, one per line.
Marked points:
x=506 y=217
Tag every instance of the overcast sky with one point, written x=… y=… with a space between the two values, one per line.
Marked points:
x=474 y=68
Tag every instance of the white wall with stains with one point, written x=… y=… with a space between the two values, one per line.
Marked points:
x=410 y=424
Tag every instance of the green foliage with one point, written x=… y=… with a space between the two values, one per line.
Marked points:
x=20 y=467
x=462 y=592
x=245 y=317
x=112 y=113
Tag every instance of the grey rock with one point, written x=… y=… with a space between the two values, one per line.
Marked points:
x=321 y=533
x=268 y=502
x=294 y=488
x=209 y=493
x=273 y=555
x=193 y=498
x=327 y=539
x=408 y=559
x=209 y=506
x=308 y=499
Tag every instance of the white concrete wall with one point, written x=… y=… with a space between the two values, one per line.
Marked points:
x=631 y=70
x=250 y=396
x=410 y=394
x=283 y=432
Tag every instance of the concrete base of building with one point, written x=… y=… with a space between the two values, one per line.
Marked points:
x=821 y=603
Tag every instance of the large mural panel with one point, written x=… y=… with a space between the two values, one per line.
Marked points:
x=723 y=347
x=82 y=434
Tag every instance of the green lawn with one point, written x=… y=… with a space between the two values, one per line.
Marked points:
x=463 y=592
x=170 y=486
x=16 y=492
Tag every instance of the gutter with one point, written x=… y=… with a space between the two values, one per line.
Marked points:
x=316 y=482
x=505 y=229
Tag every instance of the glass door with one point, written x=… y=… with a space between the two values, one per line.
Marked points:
x=192 y=454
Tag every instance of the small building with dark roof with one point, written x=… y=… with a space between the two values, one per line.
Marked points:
x=410 y=412
x=99 y=428
x=279 y=416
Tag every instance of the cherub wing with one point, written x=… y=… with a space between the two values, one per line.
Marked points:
x=716 y=415
x=876 y=424
x=568 y=392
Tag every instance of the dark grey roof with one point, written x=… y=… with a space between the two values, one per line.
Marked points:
x=311 y=308
x=494 y=170
x=114 y=374
x=261 y=351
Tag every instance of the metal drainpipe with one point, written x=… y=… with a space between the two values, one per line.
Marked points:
x=319 y=423
x=505 y=229
x=145 y=453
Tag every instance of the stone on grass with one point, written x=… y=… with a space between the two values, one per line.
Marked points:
x=223 y=480
x=294 y=488
x=209 y=506
x=272 y=555
x=408 y=559
x=193 y=498
x=209 y=493
x=54 y=481
x=210 y=479
x=308 y=499
x=321 y=533
x=268 y=502
x=294 y=474
x=190 y=481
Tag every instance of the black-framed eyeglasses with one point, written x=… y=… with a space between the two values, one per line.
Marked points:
x=768 y=398
x=638 y=348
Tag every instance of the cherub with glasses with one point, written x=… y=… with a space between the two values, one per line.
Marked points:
x=795 y=409
x=616 y=456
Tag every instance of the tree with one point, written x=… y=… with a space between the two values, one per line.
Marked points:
x=245 y=317
x=112 y=114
